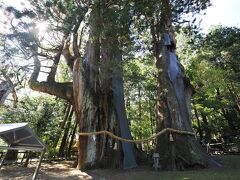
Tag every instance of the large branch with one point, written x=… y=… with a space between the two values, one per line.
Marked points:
x=62 y=90
x=52 y=73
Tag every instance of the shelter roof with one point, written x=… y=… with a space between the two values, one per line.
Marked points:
x=20 y=134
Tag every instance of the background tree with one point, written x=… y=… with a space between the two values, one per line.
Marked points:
x=12 y=74
x=43 y=114
x=140 y=95
x=213 y=75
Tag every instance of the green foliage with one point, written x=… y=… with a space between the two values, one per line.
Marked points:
x=222 y=49
x=43 y=114
x=140 y=92
x=212 y=68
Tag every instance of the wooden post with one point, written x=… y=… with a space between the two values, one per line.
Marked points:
x=38 y=166
x=2 y=161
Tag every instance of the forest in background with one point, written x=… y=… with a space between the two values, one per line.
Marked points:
x=211 y=62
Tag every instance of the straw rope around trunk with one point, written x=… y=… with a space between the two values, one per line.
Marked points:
x=171 y=130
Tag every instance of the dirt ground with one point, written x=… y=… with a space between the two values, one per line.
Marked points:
x=53 y=170
x=63 y=170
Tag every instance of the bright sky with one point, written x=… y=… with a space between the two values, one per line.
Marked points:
x=224 y=12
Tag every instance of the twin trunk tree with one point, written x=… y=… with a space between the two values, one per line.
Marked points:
x=97 y=93
x=99 y=101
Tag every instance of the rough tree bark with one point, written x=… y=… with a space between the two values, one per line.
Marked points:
x=96 y=92
x=173 y=108
x=99 y=99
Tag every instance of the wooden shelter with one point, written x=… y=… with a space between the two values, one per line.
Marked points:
x=19 y=136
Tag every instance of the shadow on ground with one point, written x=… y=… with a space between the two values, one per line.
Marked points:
x=63 y=170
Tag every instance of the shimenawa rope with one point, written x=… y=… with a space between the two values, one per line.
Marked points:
x=171 y=130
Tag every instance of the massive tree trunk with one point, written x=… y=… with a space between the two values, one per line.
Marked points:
x=173 y=108
x=102 y=107
x=99 y=100
x=96 y=92
x=86 y=102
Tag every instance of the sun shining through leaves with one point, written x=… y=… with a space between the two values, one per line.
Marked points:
x=42 y=28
